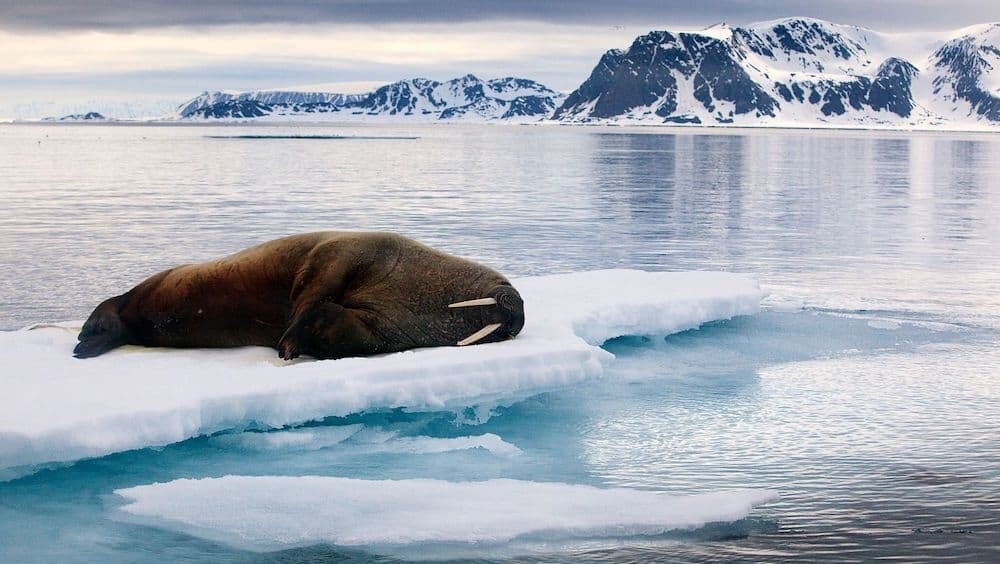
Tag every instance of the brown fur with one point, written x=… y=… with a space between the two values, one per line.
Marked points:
x=327 y=294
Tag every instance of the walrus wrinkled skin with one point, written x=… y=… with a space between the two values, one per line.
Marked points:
x=328 y=295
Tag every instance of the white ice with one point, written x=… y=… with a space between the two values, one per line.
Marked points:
x=274 y=512
x=55 y=408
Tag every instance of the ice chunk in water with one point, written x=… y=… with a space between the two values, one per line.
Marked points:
x=272 y=512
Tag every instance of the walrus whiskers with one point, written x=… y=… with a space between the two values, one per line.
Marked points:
x=470 y=303
x=479 y=334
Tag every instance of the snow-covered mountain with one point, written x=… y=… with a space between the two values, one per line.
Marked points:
x=89 y=116
x=464 y=98
x=968 y=72
x=259 y=103
x=797 y=71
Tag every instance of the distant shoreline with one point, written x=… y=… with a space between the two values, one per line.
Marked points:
x=650 y=127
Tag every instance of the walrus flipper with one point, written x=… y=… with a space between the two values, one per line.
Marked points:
x=320 y=281
x=103 y=330
x=330 y=331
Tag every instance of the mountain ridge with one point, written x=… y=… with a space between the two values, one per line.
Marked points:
x=789 y=72
x=463 y=98
x=796 y=72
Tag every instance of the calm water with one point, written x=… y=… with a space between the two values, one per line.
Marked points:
x=867 y=393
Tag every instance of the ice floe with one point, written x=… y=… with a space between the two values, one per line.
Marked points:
x=55 y=408
x=273 y=512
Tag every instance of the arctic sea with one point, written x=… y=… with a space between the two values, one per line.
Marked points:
x=866 y=392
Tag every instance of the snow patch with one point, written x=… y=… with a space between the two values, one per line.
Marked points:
x=274 y=512
x=56 y=408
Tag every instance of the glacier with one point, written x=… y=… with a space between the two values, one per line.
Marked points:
x=57 y=409
x=267 y=513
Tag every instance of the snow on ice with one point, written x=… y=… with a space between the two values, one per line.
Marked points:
x=56 y=408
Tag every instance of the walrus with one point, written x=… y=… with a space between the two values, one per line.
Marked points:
x=330 y=294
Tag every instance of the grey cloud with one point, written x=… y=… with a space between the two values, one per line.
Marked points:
x=249 y=74
x=127 y=15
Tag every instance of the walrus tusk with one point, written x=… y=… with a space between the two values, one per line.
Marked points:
x=479 y=334
x=479 y=302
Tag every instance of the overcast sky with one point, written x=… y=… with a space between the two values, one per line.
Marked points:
x=77 y=55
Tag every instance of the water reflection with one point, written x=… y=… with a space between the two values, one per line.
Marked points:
x=636 y=175
x=890 y=165
x=958 y=192
x=673 y=192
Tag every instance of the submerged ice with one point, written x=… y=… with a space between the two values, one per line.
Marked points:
x=358 y=438
x=58 y=409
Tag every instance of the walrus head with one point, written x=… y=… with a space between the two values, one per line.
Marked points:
x=509 y=314
x=103 y=331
